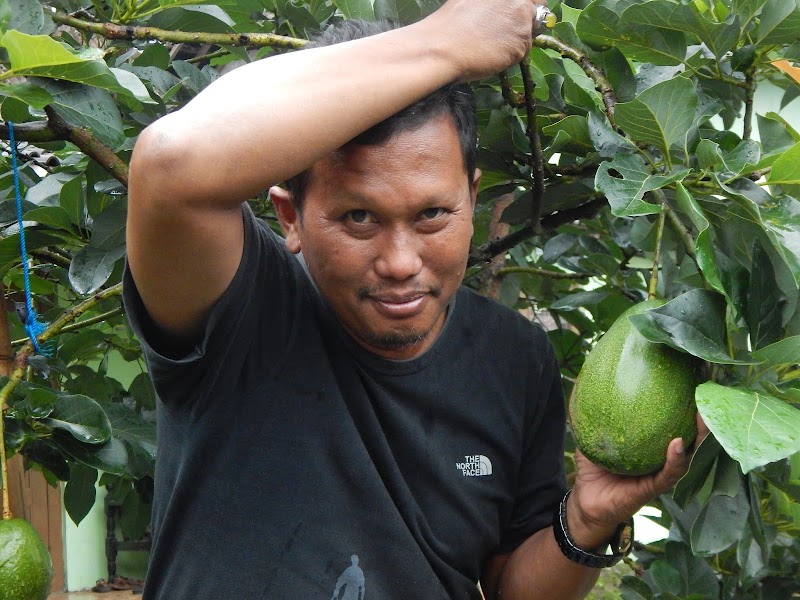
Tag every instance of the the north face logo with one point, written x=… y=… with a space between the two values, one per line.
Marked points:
x=477 y=465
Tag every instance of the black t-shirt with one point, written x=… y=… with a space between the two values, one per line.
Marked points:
x=293 y=464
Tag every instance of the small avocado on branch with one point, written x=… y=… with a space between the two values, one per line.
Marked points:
x=632 y=397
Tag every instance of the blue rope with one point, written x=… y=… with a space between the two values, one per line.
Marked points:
x=33 y=326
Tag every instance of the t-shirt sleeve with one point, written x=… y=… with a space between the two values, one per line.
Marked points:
x=542 y=482
x=260 y=297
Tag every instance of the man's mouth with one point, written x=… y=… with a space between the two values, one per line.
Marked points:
x=399 y=306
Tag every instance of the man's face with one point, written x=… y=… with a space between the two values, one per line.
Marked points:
x=385 y=232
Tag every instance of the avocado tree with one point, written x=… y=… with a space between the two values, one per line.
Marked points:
x=619 y=161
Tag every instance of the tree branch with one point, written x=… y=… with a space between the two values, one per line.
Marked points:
x=593 y=71
x=536 y=161
x=542 y=273
x=487 y=251
x=512 y=98
x=112 y=31
x=749 y=94
x=36 y=131
x=21 y=358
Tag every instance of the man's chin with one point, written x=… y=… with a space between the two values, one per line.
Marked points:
x=394 y=341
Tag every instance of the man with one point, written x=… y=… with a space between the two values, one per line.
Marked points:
x=357 y=401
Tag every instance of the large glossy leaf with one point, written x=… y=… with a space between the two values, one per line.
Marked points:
x=607 y=142
x=693 y=322
x=706 y=258
x=91 y=267
x=31 y=95
x=719 y=524
x=193 y=17
x=719 y=37
x=765 y=301
x=661 y=115
x=753 y=427
x=780 y=22
x=626 y=179
x=28 y=17
x=600 y=25
x=404 y=11
x=88 y=107
x=137 y=435
x=703 y=460
x=81 y=417
x=783 y=352
x=356 y=9
x=80 y=492
x=744 y=157
x=110 y=456
x=786 y=170
x=42 y=56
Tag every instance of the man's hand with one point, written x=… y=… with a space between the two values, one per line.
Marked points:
x=484 y=36
x=601 y=500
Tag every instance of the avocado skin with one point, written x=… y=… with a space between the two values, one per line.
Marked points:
x=26 y=569
x=632 y=397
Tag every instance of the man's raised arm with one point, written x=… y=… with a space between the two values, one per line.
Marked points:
x=272 y=119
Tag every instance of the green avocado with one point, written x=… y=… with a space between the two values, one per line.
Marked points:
x=632 y=397
x=25 y=566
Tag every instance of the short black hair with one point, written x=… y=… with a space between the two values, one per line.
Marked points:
x=454 y=99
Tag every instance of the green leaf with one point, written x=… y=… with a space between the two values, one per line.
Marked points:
x=693 y=322
x=27 y=16
x=600 y=26
x=666 y=14
x=29 y=94
x=780 y=22
x=661 y=115
x=137 y=435
x=91 y=267
x=719 y=525
x=703 y=242
x=746 y=155
x=404 y=11
x=193 y=17
x=577 y=131
x=786 y=170
x=783 y=352
x=55 y=216
x=81 y=417
x=88 y=107
x=356 y=9
x=108 y=228
x=42 y=56
x=703 y=460
x=765 y=301
x=697 y=577
x=110 y=456
x=134 y=516
x=606 y=141
x=635 y=588
x=625 y=193
x=754 y=428
x=80 y=492
x=775 y=133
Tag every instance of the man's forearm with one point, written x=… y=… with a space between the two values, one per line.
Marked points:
x=273 y=118
x=538 y=570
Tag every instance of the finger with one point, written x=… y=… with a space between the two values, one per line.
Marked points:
x=677 y=465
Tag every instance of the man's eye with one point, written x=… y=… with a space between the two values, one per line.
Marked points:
x=358 y=216
x=431 y=213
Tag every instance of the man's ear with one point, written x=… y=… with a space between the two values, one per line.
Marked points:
x=476 y=185
x=288 y=217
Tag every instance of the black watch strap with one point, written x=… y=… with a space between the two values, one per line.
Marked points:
x=621 y=543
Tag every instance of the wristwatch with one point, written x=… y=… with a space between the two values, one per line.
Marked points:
x=620 y=544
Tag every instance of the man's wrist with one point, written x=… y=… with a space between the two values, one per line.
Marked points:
x=586 y=534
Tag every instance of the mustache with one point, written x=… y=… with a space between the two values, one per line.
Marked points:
x=380 y=290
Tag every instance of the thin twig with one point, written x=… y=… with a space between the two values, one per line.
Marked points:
x=85 y=323
x=487 y=251
x=749 y=94
x=69 y=316
x=512 y=98
x=662 y=218
x=536 y=160
x=542 y=273
x=594 y=72
x=112 y=31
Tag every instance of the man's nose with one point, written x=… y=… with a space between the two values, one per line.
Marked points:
x=398 y=256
